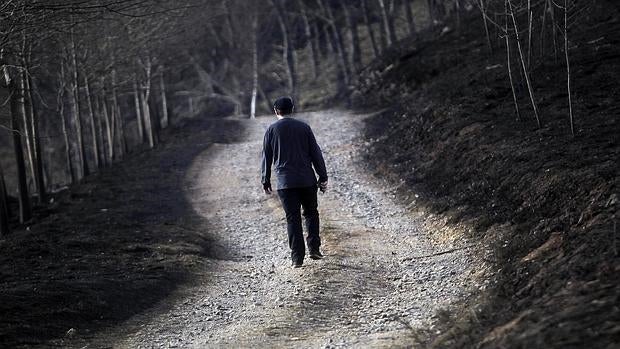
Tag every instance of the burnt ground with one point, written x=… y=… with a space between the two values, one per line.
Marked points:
x=544 y=202
x=109 y=247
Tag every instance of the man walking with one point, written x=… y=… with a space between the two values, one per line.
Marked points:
x=290 y=146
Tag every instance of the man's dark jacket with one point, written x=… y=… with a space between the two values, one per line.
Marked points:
x=290 y=146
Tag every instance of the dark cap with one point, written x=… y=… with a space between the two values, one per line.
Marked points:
x=284 y=104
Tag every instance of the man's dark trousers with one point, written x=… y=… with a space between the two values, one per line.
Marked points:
x=292 y=201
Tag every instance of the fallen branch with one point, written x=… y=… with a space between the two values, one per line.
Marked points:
x=438 y=253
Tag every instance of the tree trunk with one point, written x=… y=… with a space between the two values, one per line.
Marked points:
x=313 y=55
x=391 y=20
x=36 y=143
x=342 y=52
x=118 y=116
x=509 y=65
x=287 y=51
x=530 y=19
x=93 y=124
x=100 y=134
x=137 y=103
x=321 y=46
x=570 y=96
x=75 y=106
x=254 y=66
x=26 y=109
x=486 y=25
x=65 y=132
x=554 y=30
x=25 y=211
x=165 y=120
x=371 y=32
x=119 y=125
x=543 y=23
x=148 y=124
x=523 y=63
x=27 y=125
x=338 y=43
x=155 y=119
x=387 y=28
x=108 y=123
x=409 y=15
x=229 y=25
x=5 y=227
x=329 y=46
x=351 y=19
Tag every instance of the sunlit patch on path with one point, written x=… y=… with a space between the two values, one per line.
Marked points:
x=368 y=291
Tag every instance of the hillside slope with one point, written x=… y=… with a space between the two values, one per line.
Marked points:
x=544 y=202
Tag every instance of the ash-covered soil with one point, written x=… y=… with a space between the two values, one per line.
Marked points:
x=546 y=203
x=109 y=248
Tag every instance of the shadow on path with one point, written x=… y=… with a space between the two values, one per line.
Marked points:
x=111 y=247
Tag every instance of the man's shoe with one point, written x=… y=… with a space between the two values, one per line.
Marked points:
x=297 y=264
x=316 y=255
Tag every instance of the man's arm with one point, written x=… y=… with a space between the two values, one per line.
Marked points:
x=266 y=163
x=317 y=159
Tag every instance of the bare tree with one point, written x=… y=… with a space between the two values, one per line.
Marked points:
x=255 y=66
x=310 y=43
x=145 y=95
x=109 y=126
x=328 y=16
x=509 y=65
x=36 y=140
x=526 y=72
x=568 y=77
x=287 y=48
x=350 y=13
x=63 y=121
x=165 y=119
x=93 y=123
x=387 y=27
x=5 y=227
x=139 y=118
x=409 y=16
x=371 y=32
x=76 y=109
x=16 y=99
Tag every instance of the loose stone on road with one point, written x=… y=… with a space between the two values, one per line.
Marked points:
x=366 y=292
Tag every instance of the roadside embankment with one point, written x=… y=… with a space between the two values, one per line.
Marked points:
x=544 y=202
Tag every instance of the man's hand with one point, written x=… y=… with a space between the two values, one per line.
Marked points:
x=323 y=186
x=267 y=188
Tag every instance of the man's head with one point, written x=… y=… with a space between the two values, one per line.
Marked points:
x=283 y=106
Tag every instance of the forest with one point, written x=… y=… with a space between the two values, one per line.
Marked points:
x=86 y=82
x=494 y=122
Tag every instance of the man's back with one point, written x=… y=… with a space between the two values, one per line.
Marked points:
x=291 y=146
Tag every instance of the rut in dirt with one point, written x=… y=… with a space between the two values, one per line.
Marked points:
x=370 y=290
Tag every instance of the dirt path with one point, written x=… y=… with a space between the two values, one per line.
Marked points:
x=368 y=291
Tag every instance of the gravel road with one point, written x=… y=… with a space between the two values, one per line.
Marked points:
x=370 y=290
